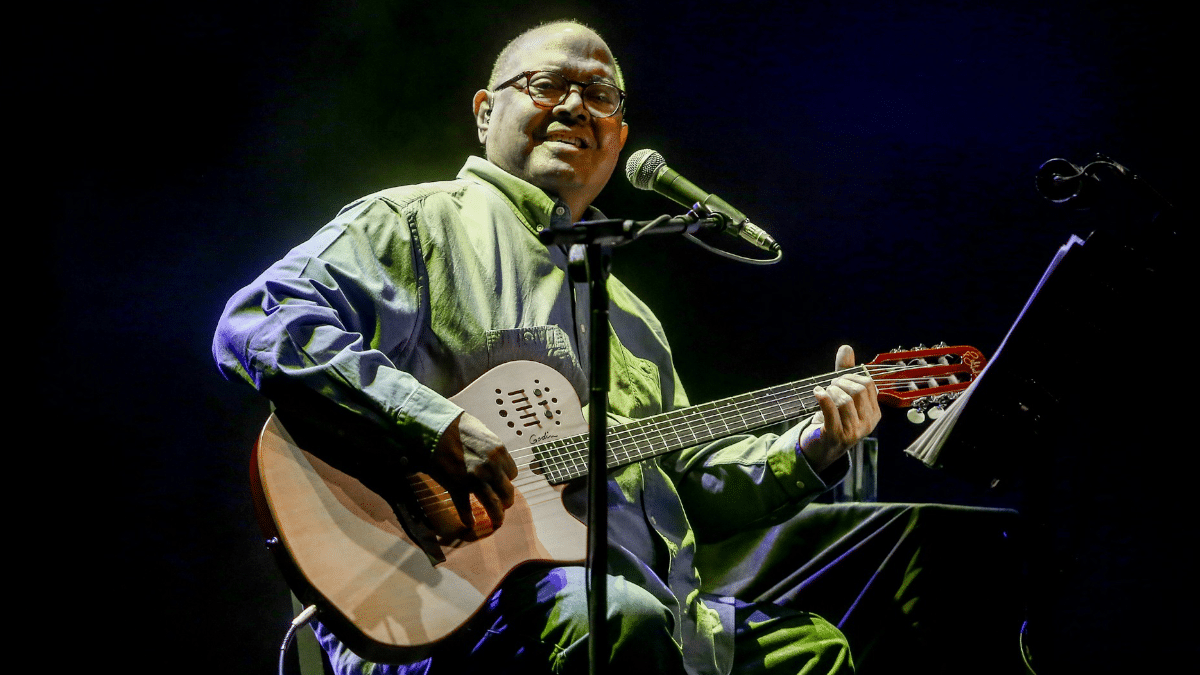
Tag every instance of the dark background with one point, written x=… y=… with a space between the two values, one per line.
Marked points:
x=890 y=149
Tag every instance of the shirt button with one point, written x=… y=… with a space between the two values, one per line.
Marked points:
x=800 y=484
x=559 y=210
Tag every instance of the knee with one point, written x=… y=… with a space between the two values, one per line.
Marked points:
x=639 y=626
x=632 y=610
x=636 y=617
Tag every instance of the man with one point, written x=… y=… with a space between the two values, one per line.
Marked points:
x=412 y=293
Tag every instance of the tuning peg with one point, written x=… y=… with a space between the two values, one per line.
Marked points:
x=937 y=407
x=915 y=416
x=941 y=345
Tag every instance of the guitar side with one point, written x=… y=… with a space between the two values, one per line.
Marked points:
x=347 y=547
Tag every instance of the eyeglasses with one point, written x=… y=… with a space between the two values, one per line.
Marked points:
x=548 y=89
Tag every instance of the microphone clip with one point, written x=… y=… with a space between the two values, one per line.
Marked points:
x=735 y=224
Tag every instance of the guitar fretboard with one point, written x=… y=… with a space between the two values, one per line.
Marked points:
x=566 y=459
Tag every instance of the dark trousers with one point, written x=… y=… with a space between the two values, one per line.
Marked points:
x=914 y=587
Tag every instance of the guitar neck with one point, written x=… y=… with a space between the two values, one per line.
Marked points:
x=566 y=459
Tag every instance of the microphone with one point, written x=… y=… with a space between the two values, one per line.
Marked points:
x=647 y=170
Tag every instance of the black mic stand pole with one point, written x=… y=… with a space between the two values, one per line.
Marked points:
x=590 y=259
x=599 y=264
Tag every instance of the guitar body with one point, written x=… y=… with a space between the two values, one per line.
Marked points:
x=344 y=543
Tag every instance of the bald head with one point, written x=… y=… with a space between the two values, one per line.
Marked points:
x=546 y=31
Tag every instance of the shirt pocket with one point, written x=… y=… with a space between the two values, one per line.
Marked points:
x=635 y=389
x=547 y=345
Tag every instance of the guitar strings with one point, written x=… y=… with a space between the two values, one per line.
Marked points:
x=730 y=410
x=561 y=460
x=569 y=456
x=566 y=456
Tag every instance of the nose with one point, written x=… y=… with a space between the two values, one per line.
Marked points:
x=572 y=105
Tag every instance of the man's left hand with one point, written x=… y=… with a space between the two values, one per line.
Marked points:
x=849 y=411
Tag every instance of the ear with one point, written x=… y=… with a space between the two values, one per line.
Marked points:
x=483 y=113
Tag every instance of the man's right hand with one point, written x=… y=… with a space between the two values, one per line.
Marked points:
x=472 y=460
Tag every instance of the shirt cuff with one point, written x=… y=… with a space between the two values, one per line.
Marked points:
x=426 y=415
x=792 y=469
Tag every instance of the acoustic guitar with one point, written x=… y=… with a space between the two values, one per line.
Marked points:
x=390 y=588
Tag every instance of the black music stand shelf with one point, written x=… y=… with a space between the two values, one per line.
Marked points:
x=1084 y=408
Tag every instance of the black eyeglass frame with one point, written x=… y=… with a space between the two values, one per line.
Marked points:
x=583 y=90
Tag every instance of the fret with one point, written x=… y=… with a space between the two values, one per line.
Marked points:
x=677 y=434
x=746 y=415
x=712 y=425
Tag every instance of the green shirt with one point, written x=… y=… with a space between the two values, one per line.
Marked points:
x=410 y=294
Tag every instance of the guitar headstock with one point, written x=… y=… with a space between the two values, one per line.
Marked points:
x=926 y=379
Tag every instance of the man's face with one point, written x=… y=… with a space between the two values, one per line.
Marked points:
x=564 y=150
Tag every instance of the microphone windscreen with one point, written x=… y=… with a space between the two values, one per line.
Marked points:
x=641 y=168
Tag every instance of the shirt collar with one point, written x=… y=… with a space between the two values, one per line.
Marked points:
x=531 y=204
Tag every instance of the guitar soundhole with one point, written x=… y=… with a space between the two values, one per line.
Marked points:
x=521 y=409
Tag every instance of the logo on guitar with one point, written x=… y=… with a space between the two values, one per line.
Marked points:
x=974 y=360
x=543 y=438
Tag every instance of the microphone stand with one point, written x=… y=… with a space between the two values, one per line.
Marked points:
x=591 y=260
x=615 y=232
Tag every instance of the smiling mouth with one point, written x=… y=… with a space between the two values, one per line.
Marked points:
x=567 y=140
